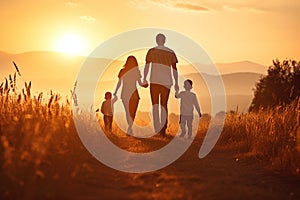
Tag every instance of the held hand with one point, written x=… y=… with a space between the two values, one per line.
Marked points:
x=115 y=96
x=145 y=84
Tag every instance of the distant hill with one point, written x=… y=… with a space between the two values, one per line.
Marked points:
x=56 y=71
x=223 y=68
x=47 y=70
x=4 y=70
x=238 y=87
x=4 y=54
x=241 y=83
x=243 y=66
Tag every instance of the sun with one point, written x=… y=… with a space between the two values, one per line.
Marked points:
x=71 y=44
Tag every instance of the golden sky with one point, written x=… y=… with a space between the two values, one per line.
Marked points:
x=236 y=30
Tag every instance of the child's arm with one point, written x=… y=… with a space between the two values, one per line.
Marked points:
x=197 y=107
x=102 y=108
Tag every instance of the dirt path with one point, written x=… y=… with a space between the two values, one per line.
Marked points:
x=220 y=175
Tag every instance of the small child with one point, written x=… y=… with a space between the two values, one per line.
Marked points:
x=187 y=103
x=107 y=109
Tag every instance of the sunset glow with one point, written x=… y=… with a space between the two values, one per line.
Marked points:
x=71 y=44
x=232 y=31
x=150 y=99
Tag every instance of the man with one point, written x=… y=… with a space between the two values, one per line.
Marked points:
x=163 y=64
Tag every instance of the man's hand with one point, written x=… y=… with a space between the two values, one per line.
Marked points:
x=200 y=115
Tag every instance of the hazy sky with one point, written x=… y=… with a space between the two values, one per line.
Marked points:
x=236 y=30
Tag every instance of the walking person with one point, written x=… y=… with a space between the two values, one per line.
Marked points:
x=187 y=104
x=107 y=109
x=162 y=62
x=129 y=76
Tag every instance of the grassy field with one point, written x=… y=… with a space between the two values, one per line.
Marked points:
x=41 y=153
x=271 y=135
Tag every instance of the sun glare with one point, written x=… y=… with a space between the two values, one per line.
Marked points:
x=71 y=44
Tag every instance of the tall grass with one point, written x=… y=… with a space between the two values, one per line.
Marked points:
x=35 y=133
x=39 y=143
x=272 y=135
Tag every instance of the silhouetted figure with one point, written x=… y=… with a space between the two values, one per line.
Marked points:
x=128 y=77
x=163 y=63
x=187 y=103
x=107 y=109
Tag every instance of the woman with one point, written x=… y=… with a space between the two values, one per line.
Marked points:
x=128 y=77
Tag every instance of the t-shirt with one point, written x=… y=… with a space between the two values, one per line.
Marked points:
x=129 y=79
x=107 y=107
x=187 y=102
x=161 y=59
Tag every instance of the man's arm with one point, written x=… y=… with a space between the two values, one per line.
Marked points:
x=175 y=75
x=146 y=71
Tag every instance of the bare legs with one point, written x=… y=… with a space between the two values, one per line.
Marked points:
x=159 y=96
x=186 y=120
x=130 y=110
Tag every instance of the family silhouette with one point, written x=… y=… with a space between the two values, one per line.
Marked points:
x=129 y=76
x=161 y=62
x=188 y=102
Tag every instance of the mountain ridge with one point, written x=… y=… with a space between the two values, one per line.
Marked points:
x=236 y=64
x=55 y=71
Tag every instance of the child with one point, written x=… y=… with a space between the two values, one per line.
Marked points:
x=107 y=109
x=187 y=104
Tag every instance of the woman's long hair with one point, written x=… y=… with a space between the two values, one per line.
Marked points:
x=131 y=63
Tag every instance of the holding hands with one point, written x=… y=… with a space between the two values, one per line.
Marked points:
x=145 y=83
x=115 y=97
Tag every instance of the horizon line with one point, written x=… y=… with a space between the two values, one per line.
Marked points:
x=86 y=56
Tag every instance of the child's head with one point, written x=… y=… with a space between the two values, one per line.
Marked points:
x=107 y=95
x=188 y=84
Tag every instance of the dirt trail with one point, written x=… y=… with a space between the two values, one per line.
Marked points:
x=220 y=175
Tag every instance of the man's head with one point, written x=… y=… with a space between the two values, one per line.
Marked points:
x=188 y=84
x=107 y=95
x=160 y=39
